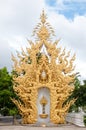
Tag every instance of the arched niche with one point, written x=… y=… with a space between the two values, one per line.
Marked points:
x=43 y=92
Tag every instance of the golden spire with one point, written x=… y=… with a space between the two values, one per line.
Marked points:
x=43 y=17
x=43 y=30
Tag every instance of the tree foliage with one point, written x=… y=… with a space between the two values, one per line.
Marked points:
x=79 y=94
x=6 y=92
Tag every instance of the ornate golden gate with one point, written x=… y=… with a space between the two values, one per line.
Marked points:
x=35 y=69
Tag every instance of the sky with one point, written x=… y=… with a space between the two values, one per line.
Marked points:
x=67 y=17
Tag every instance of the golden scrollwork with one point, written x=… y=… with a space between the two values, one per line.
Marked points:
x=34 y=69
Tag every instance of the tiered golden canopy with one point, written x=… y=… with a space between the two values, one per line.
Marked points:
x=34 y=69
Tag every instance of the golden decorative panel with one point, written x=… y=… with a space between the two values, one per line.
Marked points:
x=34 y=69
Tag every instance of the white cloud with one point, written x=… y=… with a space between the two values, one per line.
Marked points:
x=60 y=4
x=18 y=42
x=73 y=37
x=17 y=20
x=5 y=54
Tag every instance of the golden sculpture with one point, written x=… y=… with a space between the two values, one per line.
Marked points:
x=33 y=70
x=43 y=102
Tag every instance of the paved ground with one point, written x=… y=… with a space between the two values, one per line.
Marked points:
x=64 y=127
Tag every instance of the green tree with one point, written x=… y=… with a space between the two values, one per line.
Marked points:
x=79 y=94
x=74 y=95
x=7 y=107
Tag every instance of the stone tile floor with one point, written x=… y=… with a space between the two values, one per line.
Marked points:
x=41 y=127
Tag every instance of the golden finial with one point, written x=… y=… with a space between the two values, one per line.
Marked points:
x=43 y=101
x=43 y=17
x=43 y=30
